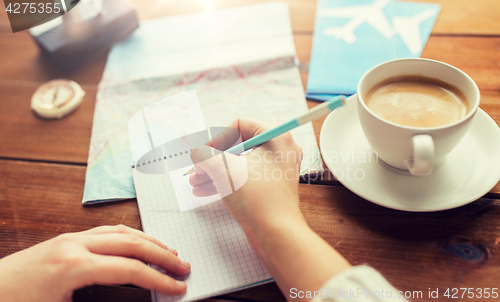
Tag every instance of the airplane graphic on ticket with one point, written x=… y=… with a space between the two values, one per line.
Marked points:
x=408 y=28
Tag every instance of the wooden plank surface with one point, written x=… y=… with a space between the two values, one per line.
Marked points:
x=458 y=17
x=463 y=17
x=29 y=138
x=25 y=65
x=415 y=251
x=25 y=136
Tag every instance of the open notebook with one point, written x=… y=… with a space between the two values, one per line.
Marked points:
x=200 y=228
x=208 y=237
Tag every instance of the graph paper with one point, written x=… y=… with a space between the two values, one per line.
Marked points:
x=207 y=237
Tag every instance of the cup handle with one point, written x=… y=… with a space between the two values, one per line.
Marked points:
x=423 y=155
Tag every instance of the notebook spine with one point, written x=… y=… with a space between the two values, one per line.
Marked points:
x=154 y=159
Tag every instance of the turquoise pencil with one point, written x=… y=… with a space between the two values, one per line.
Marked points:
x=311 y=115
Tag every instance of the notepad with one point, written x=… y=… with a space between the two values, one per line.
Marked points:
x=200 y=228
x=208 y=237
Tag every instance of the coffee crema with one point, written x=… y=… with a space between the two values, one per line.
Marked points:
x=417 y=101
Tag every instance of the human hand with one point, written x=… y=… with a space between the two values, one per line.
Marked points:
x=267 y=205
x=270 y=194
x=52 y=270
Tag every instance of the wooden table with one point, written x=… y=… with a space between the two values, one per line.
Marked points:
x=42 y=166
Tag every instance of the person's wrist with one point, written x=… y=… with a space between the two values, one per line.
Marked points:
x=271 y=215
x=262 y=234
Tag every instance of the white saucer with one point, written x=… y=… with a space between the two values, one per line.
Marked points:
x=467 y=173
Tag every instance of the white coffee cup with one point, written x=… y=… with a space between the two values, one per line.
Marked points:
x=418 y=150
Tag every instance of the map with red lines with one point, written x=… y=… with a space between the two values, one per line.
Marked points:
x=252 y=73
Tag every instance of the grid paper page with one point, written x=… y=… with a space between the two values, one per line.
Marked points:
x=207 y=237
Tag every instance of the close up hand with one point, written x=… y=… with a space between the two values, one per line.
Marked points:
x=267 y=204
x=271 y=191
x=52 y=270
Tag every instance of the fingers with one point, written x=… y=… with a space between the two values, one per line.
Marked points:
x=122 y=229
x=198 y=179
x=213 y=167
x=221 y=141
x=225 y=139
x=199 y=154
x=250 y=127
x=244 y=127
x=217 y=177
x=119 y=270
x=204 y=190
x=131 y=245
x=206 y=163
x=239 y=130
